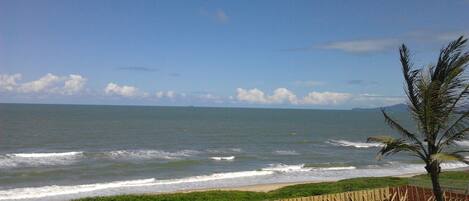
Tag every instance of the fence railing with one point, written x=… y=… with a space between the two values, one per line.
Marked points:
x=402 y=193
x=414 y=193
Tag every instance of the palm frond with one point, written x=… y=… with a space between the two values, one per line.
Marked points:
x=459 y=136
x=448 y=56
x=457 y=130
x=401 y=130
x=448 y=84
x=384 y=139
x=439 y=89
x=410 y=76
x=396 y=145
x=443 y=157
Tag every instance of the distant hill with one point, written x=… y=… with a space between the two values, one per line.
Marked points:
x=395 y=108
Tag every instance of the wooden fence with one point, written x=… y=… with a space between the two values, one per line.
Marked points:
x=414 y=193
x=402 y=193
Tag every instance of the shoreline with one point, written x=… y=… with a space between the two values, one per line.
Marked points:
x=275 y=186
x=266 y=187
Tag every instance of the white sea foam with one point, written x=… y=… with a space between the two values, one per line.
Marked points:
x=45 y=191
x=149 y=154
x=273 y=173
x=221 y=158
x=287 y=168
x=224 y=150
x=216 y=176
x=45 y=155
x=38 y=159
x=54 y=190
x=337 y=168
x=412 y=168
x=453 y=165
x=464 y=143
x=286 y=152
x=345 y=143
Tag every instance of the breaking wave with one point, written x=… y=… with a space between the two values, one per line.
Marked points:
x=464 y=143
x=220 y=158
x=286 y=152
x=45 y=155
x=38 y=159
x=273 y=171
x=149 y=154
x=54 y=190
x=224 y=150
x=345 y=143
x=66 y=158
x=302 y=168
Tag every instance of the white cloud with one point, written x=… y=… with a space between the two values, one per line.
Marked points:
x=126 y=91
x=449 y=36
x=251 y=95
x=73 y=84
x=375 y=100
x=169 y=94
x=9 y=82
x=362 y=46
x=325 y=98
x=49 y=83
x=46 y=83
x=285 y=96
x=208 y=97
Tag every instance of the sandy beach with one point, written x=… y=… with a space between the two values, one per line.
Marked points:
x=266 y=187
x=275 y=186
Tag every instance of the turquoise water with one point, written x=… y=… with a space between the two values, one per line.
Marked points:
x=58 y=152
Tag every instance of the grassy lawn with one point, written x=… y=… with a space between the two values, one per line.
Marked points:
x=292 y=191
x=452 y=180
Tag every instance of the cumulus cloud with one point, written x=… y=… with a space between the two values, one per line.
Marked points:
x=9 y=82
x=74 y=84
x=285 y=96
x=48 y=83
x=251 y=95
x=362 y=46
x=124 y=90
x=43 y=84
x=325 y=98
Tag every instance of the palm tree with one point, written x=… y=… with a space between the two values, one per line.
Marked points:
x=437 y=102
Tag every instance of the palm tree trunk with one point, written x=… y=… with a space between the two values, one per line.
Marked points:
x=434 y=172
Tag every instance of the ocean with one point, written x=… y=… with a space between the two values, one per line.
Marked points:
x=61 y=152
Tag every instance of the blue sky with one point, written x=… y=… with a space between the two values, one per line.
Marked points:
x=306 y=54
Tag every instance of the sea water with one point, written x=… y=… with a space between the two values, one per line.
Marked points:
x=61 y=152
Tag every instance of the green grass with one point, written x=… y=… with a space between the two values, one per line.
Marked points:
x=299 y=190
x=456 y=180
